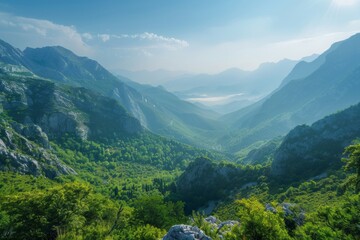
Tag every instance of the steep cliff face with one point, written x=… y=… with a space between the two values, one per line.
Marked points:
x=19 y=154
x=58 y=110
x=310 y=150
x=34 y=111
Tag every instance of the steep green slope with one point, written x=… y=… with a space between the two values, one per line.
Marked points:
x=178 y=119
x=308 y=151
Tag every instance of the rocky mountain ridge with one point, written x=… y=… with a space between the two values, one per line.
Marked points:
x=308 y=151
x=157 y=110
x=59 y=110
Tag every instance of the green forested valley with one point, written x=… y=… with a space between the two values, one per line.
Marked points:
x=87 y=155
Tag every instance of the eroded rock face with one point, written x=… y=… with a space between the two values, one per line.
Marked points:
x=20 y=155
x=32 y=132
x=185 y=232
x=59 y=123
x=58 y=110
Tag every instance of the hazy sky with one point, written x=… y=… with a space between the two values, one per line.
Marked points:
x=191 y=35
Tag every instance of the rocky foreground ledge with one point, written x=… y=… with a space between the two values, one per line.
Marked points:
x=221 y=228
x=185 y=232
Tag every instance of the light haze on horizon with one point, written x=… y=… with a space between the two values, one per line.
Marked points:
x=193 y=36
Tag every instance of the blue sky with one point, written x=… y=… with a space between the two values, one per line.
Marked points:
x=189 y=35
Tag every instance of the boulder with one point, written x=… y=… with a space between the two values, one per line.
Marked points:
x=230 y=224
x=211 y=219
x=289 y=211
x=269 y=207
x=185 y=232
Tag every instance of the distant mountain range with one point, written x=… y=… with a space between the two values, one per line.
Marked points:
x=234 y=88
x=155 y=77
x=156 y=109
x=266 y=76
x=223 y=92
x=311 y=91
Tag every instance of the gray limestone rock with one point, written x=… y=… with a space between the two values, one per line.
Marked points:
x=185 y=232
x=20 y=155
x=32 y=132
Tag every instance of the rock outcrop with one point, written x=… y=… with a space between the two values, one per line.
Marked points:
x=291 y=212
x=21 y=155
x=57 y=110
x=185 y=232
x=221 y=228
x=32 y=132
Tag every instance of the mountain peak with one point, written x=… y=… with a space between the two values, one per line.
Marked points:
x=10 y=54
x=61 y=64
x=52 y=52
x=59 y=50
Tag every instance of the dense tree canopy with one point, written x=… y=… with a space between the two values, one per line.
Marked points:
x=353 y=164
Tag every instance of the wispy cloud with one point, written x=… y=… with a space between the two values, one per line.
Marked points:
x=160 y=41
x=142 y=49
x=38 y=33
x=104 y=37
x=87 y=36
